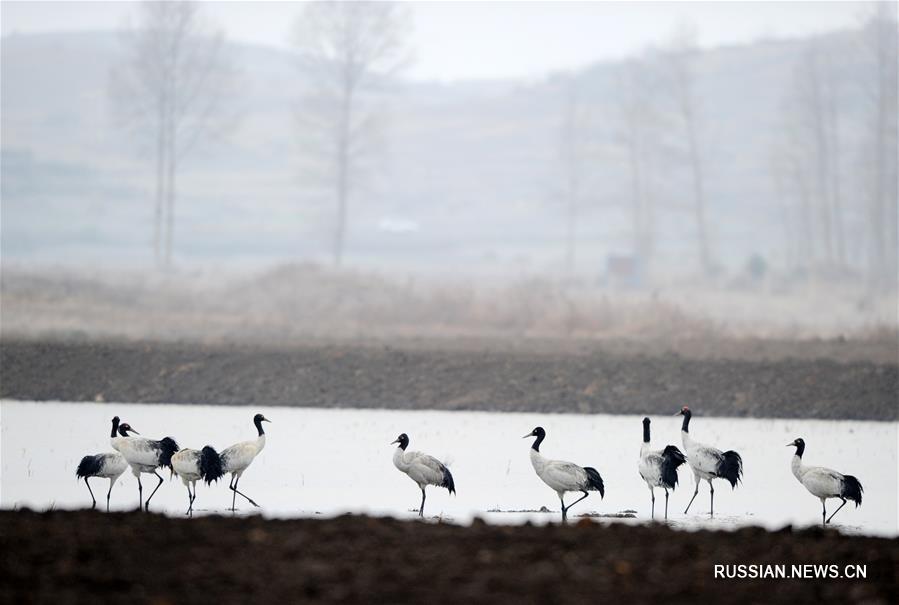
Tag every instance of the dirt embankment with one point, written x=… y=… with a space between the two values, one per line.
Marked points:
x=65 y=557
x=760 y=379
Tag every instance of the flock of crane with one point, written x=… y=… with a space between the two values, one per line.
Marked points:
x=658 y=468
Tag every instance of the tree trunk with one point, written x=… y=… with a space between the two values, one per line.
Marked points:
x=571 y=234
x=343 y=175
x=342 y=190
x=170 y=197
x=160 y=184
x=705 y=259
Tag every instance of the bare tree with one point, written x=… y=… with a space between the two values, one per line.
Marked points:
x=350 y=49
x=879 y=41
x=679 y=57
x=170 y=86
x=639 y=121
x=574 y=134
x=812 y=127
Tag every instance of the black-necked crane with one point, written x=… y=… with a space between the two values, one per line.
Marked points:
x=144 y=456
x=708 y=463
x=563 y=476
x=238 y=457
x=659 y=467
x=194 y=465
x=425 y=470
x=106 y=466
x=825 y=483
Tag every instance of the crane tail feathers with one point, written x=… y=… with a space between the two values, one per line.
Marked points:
x=594 y=481
x=852 y=489
x=730 y=468
x=448 y=482
x=672 y=458
x=211 y=467
x=167 y=448
x=88 y=467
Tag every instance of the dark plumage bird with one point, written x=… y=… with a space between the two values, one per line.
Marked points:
x=709 y=463
x=107 y=466
x=563 y=476
x=423 y=469
x=659 y=467
x=194 y=465
x=144 y=456
x=237 y=458
x=825 y=483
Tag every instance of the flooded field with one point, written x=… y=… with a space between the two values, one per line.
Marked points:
x=327 y=462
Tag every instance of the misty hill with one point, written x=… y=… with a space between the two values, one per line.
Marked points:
x=468 y=170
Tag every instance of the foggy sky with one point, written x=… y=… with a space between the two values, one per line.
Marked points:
x=490 y=39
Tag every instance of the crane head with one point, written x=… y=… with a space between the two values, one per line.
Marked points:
x=403 y=440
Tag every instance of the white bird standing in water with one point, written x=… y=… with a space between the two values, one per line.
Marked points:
x=423 y=469
x=564 y=476
x=107 y=466
x=825 y=483
x=238 y=457
x=708 y=462
x=193 y=465
x=144 y=456
x=659 y=467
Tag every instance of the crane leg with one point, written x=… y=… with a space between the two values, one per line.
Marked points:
x=652 y=493
x=94 y=505
x=140 y=495
x=421 y=509
x=565 y=508
x=234 y=495
x=109 y=493
x=712 y=496
x=666 y=505
x=147 y=505
x=838 y=509
x=190 y=501
x=696 y=491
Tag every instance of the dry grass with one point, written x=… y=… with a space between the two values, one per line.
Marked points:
x=307 y=301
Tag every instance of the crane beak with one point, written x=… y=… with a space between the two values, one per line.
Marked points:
x=265 y=420
x=135 y=432
x=677 y=413
x=394 y=441
x=526 y=436
x=791 y=444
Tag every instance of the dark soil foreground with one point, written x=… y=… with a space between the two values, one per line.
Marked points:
x=772 y=379
x=68 y=557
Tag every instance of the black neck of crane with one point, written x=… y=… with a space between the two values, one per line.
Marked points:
x=685 y=427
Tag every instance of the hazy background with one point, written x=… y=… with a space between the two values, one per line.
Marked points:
x=540 y=168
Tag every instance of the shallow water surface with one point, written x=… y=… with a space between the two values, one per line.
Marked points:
x=328 y=462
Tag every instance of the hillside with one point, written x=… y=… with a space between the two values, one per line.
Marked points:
x=473 y=165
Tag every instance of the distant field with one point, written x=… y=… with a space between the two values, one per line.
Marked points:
x=288 y=304
x=310 y=336
x=788 y=380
